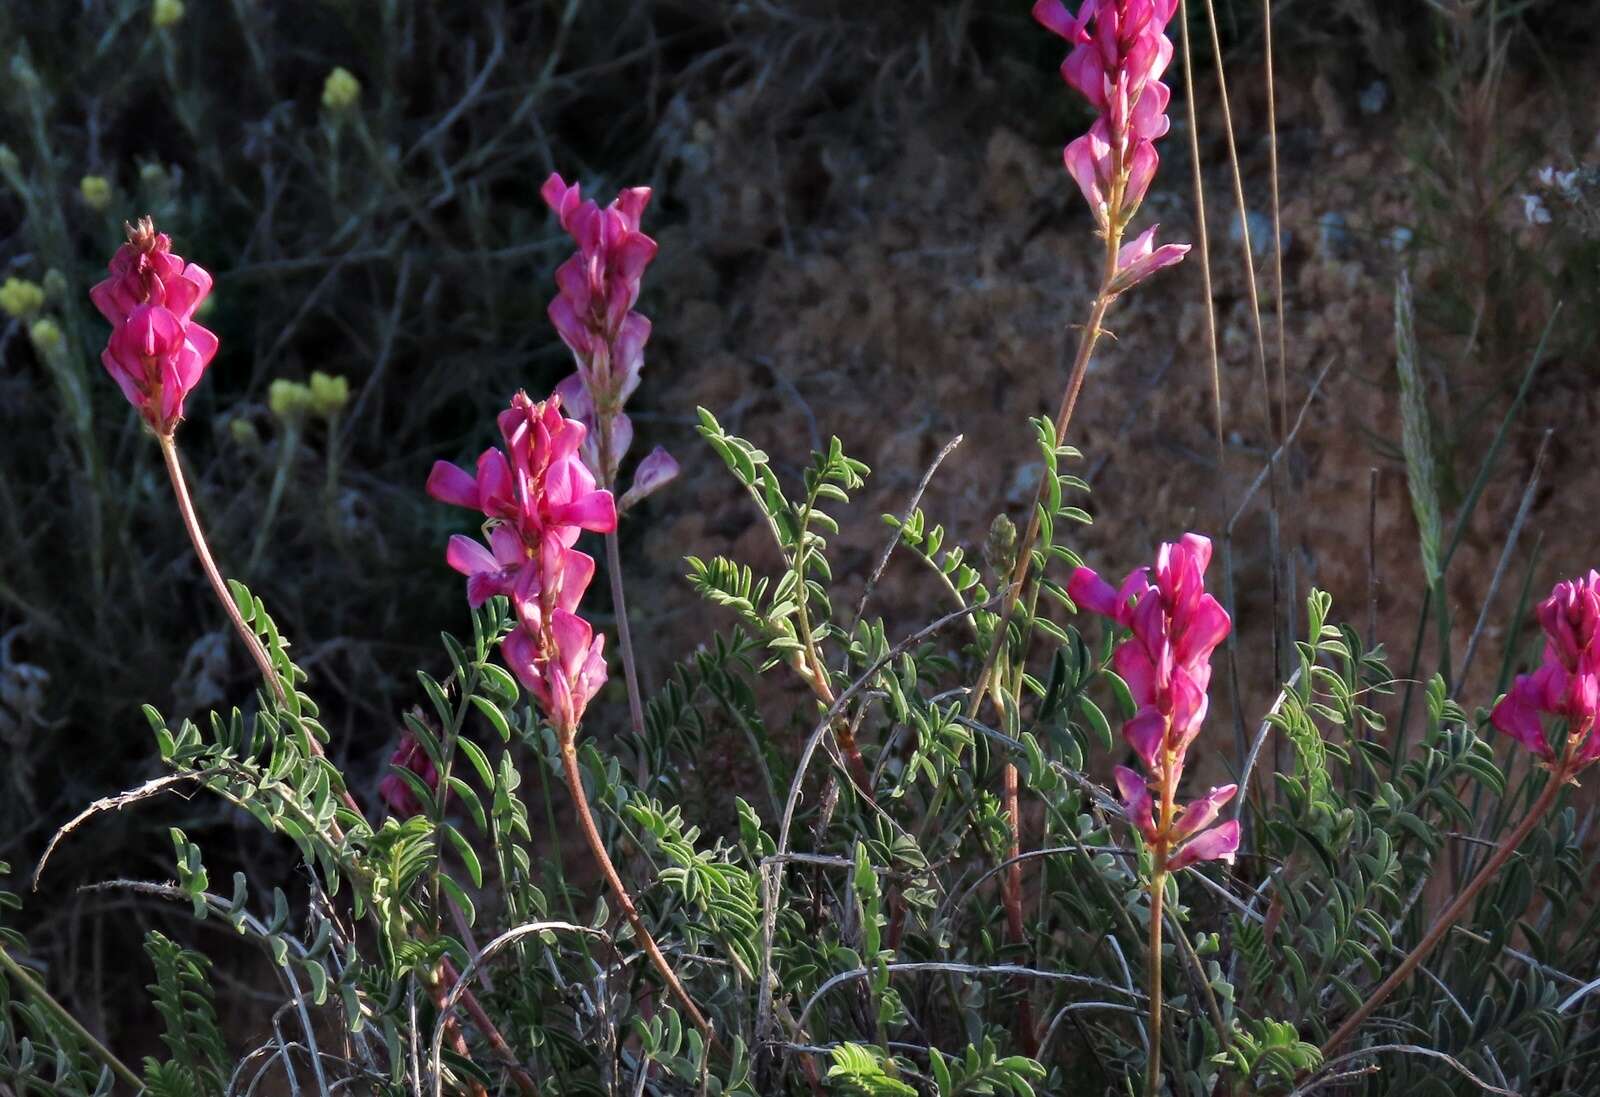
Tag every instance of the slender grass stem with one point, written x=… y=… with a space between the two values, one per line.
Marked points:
x=619 y=603
x=287 y=446
x=35 y=990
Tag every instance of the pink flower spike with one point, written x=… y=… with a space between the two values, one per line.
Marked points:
x=654 y=472
x=1567 y=684
x=157 y=360
x=1219 y=843
x=1135 y=795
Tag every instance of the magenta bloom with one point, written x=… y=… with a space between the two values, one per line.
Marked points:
x=1166 y=663
x=593 y=313
x=157 y=353
x=1567 y=685
x=398 y=795
x=1119 y=52
x=537 y=495
x=533 y=491
x=562 y=664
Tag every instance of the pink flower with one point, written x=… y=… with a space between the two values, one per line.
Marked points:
x=1119 y=52
x=593 y=313
x=535 y=489
x=653 y=473
x=1219 y=843
x=157 y=353
x=599 y=286
x=1567 y=685
x=1140 y=259
x=145 y=270
x=394 y=790
x=537 y=495
x=1174 y=626
x=562 y=663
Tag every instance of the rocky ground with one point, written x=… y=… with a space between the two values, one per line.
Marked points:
x=900 y=291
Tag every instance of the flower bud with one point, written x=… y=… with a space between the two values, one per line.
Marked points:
x=1000 y=547
x=328 y=395
x=55 y=284
x=20 y=298
x=341 y=90
x=244 y=433
x=166 y=13
x=289 y=400
x=45 y=334
x=96 y=192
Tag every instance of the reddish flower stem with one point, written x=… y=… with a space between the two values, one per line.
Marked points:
x=197 y=537
x=1011 y=882
x=1454 y=911
x=191 y=522
x=597 y=846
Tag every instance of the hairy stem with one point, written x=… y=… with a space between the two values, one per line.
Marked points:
x=1452 y=913
x=197 y=537
x=597 y=846
x=35 y=990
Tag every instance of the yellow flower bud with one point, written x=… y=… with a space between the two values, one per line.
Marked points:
x=289 y=400
x=329 y=394
x=244 y=433
x=96 y=191
x=166 y=13
x=20 y=297
x=341 y=90
x=45 y=335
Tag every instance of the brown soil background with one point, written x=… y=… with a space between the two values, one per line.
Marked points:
x=900 y=291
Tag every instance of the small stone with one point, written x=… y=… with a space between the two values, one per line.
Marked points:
x=1374 y=97
x=1333 y=235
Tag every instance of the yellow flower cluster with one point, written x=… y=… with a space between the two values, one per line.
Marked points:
x=325 y=397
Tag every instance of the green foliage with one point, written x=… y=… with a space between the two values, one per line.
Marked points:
x=182 y=994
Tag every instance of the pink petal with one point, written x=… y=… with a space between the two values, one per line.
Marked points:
x=1201 y=813
x=1219 y=843
x=1142 y=165
x=654 y=472
x=1090 y=592
x=1082 y=166
x=449 y=484
x=468 y=556
x=1136 y=798
x=1145 y=733
x=594 y=511
x=1516 y=714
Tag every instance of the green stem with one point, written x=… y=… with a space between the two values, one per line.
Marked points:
x=619 y=603
x=280 y=481
x=1158 y=888
x=35 y=990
